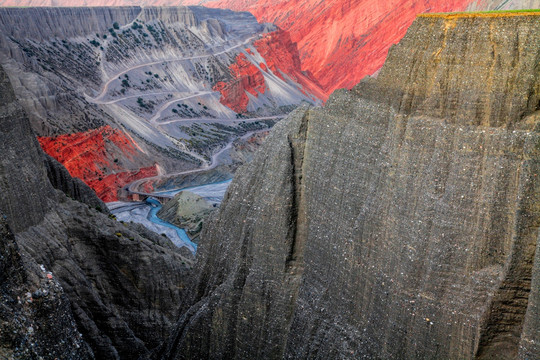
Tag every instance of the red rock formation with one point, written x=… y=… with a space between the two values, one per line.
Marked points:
x=281 y=56
x=107 y=187
x=88 y=156
x=341 y=41
x=246 y=77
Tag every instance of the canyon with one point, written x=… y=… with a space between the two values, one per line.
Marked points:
x=76 y=283
x=120 y=94
x=159 y=78
x=398 y=220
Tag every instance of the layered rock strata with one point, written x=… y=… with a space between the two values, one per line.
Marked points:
x=399 y=221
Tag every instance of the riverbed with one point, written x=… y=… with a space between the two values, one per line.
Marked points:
x=145 y=213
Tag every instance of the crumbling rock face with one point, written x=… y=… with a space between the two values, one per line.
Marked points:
x=123 y=287
x=73 y=269
x=35 y=317
x=399 y=221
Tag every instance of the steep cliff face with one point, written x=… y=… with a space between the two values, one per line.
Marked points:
x=73 y=269
x=399 y=221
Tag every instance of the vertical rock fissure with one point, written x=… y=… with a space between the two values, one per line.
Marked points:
x=297 y=231
x=294 y=264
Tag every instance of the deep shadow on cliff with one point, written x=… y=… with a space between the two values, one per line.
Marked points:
x=74 y=282
x=399 y=221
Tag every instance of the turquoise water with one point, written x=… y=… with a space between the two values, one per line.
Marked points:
x=152 y=216
x=212 y=192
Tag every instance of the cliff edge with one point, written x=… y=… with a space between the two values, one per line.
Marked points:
x=399 y=221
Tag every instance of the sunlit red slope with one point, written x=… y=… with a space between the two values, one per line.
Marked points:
x=246 y=78
x=277 y=56
x=89 y=156
x=341 y=41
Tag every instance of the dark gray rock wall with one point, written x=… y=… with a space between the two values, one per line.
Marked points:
x=116 y=285
x=124 y=288
x=36 y=321
x=399 y=221
x=23 y=186
x=75 y=188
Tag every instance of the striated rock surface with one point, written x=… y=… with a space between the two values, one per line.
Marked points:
x=246 y=77
x=74 y=270
x=399 y=221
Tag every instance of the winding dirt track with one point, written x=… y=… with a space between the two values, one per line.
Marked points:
x=103 y=92
x=163 y=107
x=132 y=188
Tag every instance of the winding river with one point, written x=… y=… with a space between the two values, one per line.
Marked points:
x=181 y=233
x=145 y=213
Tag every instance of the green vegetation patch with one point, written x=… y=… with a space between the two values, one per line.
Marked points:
x=489 y=13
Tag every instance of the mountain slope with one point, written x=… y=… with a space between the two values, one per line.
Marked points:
x=416 y=241
x=339 y=41
x=149 y=90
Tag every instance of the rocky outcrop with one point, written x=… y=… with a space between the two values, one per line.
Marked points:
x=24 y=189
x=399 y=221
x=74 y=270
x=75 y=188
x=246 y=77
x=187 y=211
x=35 y=317
x=281 y=56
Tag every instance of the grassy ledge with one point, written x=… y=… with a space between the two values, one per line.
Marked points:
x=483 y=14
